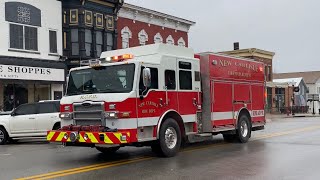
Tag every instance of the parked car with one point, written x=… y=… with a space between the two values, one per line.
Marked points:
x=29 y=120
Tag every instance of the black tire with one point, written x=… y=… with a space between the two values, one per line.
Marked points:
x=109 y=150
x=57 y=126
x=243 y=129
x=229 y=137
x=4 y=137
x=171 y=129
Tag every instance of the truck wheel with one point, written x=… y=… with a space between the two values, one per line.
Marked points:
x=109 y=150
x=3 y=136
x=244 y=129
x=169 y=141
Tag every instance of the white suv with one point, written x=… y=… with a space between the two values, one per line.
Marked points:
x=29 y=120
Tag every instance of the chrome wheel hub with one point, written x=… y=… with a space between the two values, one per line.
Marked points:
x=1 y=136
x=244 y=129
x=171 y=138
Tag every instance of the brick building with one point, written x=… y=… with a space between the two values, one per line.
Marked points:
x=140 y=26
x=258 y=55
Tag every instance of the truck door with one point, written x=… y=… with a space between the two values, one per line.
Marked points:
x=150 y=105
x=222 y=104
x=188 y=88
x=241 y=97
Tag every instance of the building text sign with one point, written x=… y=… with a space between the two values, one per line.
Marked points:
x=31 y=73
x=22 y=13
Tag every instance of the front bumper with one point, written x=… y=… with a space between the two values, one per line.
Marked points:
x=89 y=137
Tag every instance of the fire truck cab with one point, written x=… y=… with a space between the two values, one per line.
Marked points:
x=160 y=95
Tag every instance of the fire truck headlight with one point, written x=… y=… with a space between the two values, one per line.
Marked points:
x=65 y=116
x=111 y=115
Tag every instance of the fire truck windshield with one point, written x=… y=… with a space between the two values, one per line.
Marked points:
x=104 y=79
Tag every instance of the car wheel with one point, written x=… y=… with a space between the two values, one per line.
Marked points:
x=3 y=136
x=109 y=150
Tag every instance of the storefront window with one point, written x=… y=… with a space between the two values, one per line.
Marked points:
x=42 y=92
x=13 y=95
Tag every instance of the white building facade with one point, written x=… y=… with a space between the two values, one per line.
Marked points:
x=30 y=52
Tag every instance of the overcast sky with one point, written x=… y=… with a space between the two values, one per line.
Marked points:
x=290 y=28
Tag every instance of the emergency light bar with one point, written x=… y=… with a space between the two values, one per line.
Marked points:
x=120 y=58
x=98 y=62
x=91 y=62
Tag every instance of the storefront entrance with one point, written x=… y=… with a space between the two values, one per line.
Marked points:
x=14 y=95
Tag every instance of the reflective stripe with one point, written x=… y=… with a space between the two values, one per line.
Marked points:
x=92 y=138
x=59 y=138
x=107 y=140
x=81 y=138
x=118 y=135
x=229 y=114
x=50 y=135
x=189 y=118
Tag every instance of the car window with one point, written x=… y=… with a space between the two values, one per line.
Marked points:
x=25 y=109
x=47 y=108
x=57 y=103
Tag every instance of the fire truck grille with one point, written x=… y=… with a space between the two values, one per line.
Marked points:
x=88 y=113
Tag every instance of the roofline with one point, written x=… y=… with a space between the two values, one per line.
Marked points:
x=298 y=72
x=228 y=55
x=250 y=50
x=146 y=10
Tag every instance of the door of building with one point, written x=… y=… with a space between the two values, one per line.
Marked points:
x=14 y=95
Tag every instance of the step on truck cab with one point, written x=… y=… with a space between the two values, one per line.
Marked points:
x=160 y=95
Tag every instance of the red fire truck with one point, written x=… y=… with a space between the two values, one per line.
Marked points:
x=160 y=96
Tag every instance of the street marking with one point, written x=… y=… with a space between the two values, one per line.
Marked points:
x=5 y=154
x=79 y=168
x=144 y=158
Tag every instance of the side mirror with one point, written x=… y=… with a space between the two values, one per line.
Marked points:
x=146 y=77
x=13 y=113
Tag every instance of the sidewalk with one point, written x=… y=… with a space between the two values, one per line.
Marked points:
x=279 y=116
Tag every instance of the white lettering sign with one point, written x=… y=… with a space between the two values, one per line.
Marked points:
x=257 y=113
x=31 y=73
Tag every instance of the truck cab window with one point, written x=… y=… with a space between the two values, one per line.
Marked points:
x=170 y=79
x=154 y=80
x=185 y=80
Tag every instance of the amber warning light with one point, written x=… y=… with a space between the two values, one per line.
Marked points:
x=120 y=58
x=98 y=62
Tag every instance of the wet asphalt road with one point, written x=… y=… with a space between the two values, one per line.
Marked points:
x=287 y=149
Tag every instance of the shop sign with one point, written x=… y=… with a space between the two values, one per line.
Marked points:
x=31 y=73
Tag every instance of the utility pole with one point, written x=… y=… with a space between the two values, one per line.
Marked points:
x=313 y=104
x=293 y=100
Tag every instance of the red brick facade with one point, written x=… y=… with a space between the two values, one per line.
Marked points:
x=136 y=26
